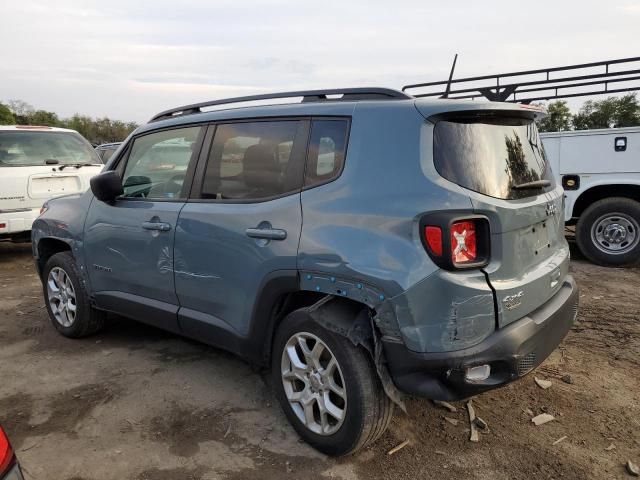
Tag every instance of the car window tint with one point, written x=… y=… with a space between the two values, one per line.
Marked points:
x=255 y=160
x=326 y=151
x=158 y=163
x=492 y=155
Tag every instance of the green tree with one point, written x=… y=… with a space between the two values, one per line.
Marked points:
x=83 y=125
x=558 y=117
x=6 y=115
x=42 y=117
x=98 y=130
x=101 y=130
x=21 y=111
x=610 y=112
x=628 y=111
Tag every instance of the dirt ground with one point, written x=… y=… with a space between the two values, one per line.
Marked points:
x=136 y=403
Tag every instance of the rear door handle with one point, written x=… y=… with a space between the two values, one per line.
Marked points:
x=161 y=226
x=266 y=233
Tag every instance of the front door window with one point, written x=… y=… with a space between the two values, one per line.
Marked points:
x=158 y=162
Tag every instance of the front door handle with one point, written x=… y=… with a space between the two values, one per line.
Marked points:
x=160 y=226
x=266 y=233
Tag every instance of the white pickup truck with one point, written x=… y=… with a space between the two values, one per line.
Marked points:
x=600 y=173
x=36 y=164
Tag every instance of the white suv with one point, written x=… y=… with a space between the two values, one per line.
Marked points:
x=36 y=164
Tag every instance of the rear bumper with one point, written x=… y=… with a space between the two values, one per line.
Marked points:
x=512 y=352
x=17 y=221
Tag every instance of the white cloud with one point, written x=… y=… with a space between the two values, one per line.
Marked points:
x=129 y=59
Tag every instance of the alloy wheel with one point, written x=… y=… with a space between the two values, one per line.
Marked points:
x=61 y=296
x=313 y=383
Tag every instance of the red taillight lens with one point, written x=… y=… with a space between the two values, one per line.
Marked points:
x=464 y=247
x=433 y=235
x=7 y=457
x=456 y=242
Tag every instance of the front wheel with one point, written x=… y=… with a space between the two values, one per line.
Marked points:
x=608 y=232
x=67 y=300
x=327 y=387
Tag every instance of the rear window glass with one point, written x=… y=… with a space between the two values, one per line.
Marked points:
x=491 y=156
x=326 y=151
x=19 y=149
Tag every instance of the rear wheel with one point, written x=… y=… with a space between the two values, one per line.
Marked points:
x=328 y=387
x=608 y=232
x=67 y=300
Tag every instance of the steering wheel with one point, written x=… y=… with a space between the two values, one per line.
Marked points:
x=173 y=186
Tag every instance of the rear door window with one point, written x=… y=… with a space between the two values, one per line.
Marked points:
x=492 y=155
x=255 y=160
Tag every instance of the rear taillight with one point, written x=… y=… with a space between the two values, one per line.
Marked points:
x=456 y=243
x=433 y=236
x=464 y=246
x=7 y=457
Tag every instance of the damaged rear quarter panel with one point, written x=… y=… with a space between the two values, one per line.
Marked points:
x=446 y=311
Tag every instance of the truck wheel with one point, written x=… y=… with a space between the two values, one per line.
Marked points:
x=67 y=299
x=327 y=387
x=608 y=232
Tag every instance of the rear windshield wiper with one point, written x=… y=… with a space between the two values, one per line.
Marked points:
x=77 y=165
x=532 y=185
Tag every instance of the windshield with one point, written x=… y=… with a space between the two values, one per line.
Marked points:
x=19 y=149
x=492 y=156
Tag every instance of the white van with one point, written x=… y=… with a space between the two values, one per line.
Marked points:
x=36 y=164
x=600 y=173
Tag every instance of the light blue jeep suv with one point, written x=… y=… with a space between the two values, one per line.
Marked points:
x=362 y=243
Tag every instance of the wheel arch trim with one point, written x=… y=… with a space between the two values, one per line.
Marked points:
x=597 y=190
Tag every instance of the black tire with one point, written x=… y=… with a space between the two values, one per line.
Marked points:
x=87 y=320
x=629 y=211
x=368 y=410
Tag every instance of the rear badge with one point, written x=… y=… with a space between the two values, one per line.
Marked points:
x=511 y=302
x=551 y=209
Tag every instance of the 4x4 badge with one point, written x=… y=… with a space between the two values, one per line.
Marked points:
x=512 y=302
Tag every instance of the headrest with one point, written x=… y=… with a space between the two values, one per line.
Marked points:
x=261 y=169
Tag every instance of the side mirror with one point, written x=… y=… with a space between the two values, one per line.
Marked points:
x=106 y=186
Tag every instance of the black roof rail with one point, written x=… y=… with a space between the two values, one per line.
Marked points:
x=348 y=94
x=519 y=87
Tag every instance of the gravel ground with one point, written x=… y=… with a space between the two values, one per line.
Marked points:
x=137 y=403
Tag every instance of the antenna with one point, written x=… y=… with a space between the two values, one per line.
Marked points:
x=448 y=89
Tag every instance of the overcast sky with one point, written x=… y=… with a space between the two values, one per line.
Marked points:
x=129 y=59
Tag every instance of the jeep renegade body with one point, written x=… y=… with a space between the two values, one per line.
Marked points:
x=36 y=164
x=362 y=242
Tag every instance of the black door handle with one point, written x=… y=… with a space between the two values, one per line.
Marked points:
x=160 y=226
x=266 y=233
